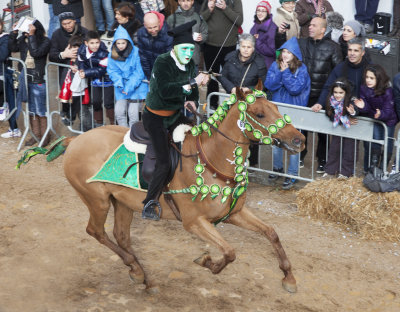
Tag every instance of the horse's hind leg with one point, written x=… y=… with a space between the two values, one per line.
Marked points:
x=98 y=209
x=122 y=220
x=206 y=231
x=247 y=220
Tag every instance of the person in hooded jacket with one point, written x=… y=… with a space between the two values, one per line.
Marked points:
x=153 y=40
x=290 y=83
x=34 y=47
x=126 y=72
x=264 y=30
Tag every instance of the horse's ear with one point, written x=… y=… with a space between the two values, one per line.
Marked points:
x=260 y=85
x=239 y=93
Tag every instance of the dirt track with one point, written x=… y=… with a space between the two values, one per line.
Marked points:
x=49 y=263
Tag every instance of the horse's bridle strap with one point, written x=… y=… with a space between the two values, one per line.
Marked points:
x=209 y=165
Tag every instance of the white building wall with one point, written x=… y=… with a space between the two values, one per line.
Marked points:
x=344 y=7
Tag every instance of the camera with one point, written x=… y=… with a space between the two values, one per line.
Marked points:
x=287 y=26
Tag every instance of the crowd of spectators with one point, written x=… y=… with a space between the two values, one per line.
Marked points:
x=300 y=54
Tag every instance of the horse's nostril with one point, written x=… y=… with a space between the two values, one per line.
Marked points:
x=296 y=141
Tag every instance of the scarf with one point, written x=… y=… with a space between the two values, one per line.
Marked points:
x=317 y=6
x=338 y=111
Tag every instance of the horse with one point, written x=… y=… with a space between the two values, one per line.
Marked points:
x=258 y=120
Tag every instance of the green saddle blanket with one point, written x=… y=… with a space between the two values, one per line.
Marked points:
x=114 y=168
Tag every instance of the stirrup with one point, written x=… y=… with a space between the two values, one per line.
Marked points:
x=149 y=211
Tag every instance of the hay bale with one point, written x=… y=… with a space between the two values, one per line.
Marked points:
x=374 y=216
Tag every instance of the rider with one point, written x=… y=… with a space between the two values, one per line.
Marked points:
x=173 y=85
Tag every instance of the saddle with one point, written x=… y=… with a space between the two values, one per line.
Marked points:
x=139 y=135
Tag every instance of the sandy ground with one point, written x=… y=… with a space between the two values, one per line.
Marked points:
x=49 y=263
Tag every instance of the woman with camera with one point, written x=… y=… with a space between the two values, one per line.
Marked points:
x=264 y=31
x=287 y=22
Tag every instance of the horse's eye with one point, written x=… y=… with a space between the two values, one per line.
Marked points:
x=260 y=116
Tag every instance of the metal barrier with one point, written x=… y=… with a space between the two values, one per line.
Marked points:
x=306 y=119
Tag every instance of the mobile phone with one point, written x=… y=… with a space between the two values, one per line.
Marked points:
x=287 y=26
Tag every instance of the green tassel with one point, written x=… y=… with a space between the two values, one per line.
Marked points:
x=57 y=151
x=28 y=154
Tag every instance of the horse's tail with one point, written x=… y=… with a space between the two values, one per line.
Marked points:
x=55 y=149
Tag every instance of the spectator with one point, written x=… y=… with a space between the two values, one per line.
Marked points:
x=54 y=22
x=351 y=30
x=320 y=55
x=365 y=11
x=287 y=22
x=34 y=47
x=74 y=6
x=396 y=20
x=308 y=9
x=264 y=30
x=290 y=83
x=92 y=65
x=13 y=131
x=127 y=75
x=98 y=16
x=221 y=16
x=334 y=22
x=186 y=13
x=340 y=111
x=153 y=40
x=125 y=15
x=377 y=102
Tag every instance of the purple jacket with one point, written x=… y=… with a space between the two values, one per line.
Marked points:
x=383 y=102
x=265 y=44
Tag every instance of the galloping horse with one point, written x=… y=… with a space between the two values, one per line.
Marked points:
x=249 y=116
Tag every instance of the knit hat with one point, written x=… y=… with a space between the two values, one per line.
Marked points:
x=281 y=1
x=66 y=15
x=265 y=5
x=182 y=33
x=358 y=29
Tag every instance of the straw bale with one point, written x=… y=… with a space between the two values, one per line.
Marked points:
x=374 y=216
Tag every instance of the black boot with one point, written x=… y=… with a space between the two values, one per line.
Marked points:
x=149 y=210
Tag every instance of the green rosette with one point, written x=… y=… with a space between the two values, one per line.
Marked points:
x=287 y=118
x=266 y=140
x=220 y=111
x=195 y=131
x=280 y=123
x=232 y=98
x=238 y=151
x=239 y=169
x=204 y=189
x=257 y=134
x=199 y=181
x=215 y=116
x=272 y=129
x=199 y=169
x=259 y=93
x=239 y=178
x=211 y=120
x=250 y=99
x=194 y=190
x=242 y=106
x=239 y=160
x=248 y=127
x=242 y=116
x=205 y=127
x=226 y=191
x=215 y=189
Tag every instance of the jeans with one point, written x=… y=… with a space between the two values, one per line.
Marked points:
x=379 y=134
x=365 y=10
x=133 y=107
x=10 y=98
x=98 y=13
x=293 y=168
x=54 y=22
x=37 y=99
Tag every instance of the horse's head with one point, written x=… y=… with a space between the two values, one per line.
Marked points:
x=262 y=121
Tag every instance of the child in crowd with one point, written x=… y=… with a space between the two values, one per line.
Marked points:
x=92 y=65
x=127 y=75
x=71 y=101
x=6 y=74
x=289 y=82
x=340 y=111
x=376 y=101
x=186 y=13
x=34 y=47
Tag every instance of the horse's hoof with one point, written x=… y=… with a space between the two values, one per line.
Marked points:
x=152 y=290
x=202 y=259
x=136 y=278
x=289 y=286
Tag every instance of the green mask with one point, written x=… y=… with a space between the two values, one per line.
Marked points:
x=184 y=52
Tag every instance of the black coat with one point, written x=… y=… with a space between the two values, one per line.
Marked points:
x=38 y=49
x=234 y=70
x=320 y=57
x=74 y=6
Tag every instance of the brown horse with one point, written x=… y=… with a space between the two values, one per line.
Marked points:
x=87 y=152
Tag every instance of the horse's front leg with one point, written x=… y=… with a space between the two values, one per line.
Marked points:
x=245 y=219
x=206 y=231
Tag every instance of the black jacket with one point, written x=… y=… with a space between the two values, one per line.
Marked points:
x=234 y=70
x=320 y=57
x=38 y=49
x=74 y=6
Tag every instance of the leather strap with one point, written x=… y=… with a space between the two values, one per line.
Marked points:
x=209 y=165
x=161 y=112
